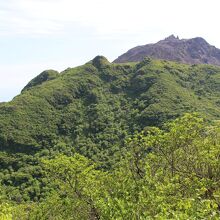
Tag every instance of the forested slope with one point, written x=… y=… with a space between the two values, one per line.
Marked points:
x=95 y=106
x=93 y=110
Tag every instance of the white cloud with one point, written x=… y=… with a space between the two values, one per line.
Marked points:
x=125 y=23
x=106 y=17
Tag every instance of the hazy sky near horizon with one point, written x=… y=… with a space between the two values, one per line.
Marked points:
x=56 y=34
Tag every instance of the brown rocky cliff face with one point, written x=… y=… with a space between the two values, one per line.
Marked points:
x=191 y=51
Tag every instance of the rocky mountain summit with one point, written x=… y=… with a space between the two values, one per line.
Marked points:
x=190 y=51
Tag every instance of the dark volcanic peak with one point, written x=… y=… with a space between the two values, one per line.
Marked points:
x=191 y=51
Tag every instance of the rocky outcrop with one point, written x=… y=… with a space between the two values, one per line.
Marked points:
x=191 y=51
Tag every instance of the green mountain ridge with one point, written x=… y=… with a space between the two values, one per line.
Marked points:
x=44 y=76
x=81 y=144
x=94 y=107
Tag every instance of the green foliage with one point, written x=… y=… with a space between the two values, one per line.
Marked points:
x=75 y=181
x=95 y=106
x=43 y=77
x=5 y=212
x=166 y=174
x=98 y=110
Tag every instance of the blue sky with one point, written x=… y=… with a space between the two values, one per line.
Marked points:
x=56 y=34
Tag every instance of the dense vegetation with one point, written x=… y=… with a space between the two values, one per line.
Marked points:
x=165 y=174
x=97 y=142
